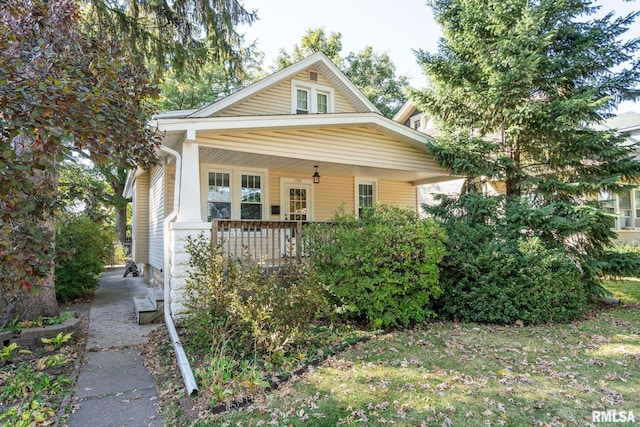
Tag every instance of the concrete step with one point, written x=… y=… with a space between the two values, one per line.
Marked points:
x=149 y=307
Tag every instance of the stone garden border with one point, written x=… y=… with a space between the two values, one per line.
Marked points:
x=30 y=337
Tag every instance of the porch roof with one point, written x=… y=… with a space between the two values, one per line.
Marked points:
x=218 y=138
x=176 y=128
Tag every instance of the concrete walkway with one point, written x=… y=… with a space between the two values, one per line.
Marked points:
x=115 y=389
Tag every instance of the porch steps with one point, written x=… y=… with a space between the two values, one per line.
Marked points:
x=149 y=307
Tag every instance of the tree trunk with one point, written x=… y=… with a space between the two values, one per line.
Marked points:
x=40 y=302
x=34 y=295
x=33 y=300
x=121 y=224
x=512 y=173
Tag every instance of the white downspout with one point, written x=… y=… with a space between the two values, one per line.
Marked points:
x=183 y=362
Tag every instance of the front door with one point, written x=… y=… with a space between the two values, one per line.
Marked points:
x=297 y=202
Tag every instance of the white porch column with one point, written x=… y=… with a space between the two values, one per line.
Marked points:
x=190 y=210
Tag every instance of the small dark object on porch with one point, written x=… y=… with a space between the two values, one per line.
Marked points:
x=131 y=268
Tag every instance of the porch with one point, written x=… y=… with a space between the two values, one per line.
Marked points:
x=272 y=244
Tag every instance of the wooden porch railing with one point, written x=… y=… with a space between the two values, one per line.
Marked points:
x=270 y=243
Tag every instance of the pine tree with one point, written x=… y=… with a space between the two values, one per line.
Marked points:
x=518 y=88
x=183 y=34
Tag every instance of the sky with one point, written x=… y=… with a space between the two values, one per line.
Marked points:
x=397 y=27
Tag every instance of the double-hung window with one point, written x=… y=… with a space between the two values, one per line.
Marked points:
x=311 y=98
x=219 y=196
x=251 y=197
x=322 y=103
x=302 y=101
x=366 y=194
x=626 y=207
x=235 y=194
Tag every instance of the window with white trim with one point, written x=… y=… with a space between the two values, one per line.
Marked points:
x=302 y=101
x=416 y=121
x=366 y=193
x=311 y=98
x=219 y=196
x=626 y=207
x=322 y=103
x=235 y=194
x=251 y=197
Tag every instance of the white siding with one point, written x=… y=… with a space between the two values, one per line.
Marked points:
x=156 y=218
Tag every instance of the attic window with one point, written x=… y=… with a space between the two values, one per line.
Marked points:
x=302 y=101
x=323 y=102
x=416 y=122
x=313 y=76
x=311 y=98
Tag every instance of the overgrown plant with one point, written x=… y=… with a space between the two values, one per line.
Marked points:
x=27 y=414
x=237 y=312
x=381 y=268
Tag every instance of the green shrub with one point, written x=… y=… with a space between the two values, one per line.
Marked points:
x=82 y=248
x=227 y=297
x=120 y=254
x=497 y=271
x=623 y=260
x=381 y=268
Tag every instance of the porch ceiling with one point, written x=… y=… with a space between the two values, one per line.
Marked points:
x=216 y=156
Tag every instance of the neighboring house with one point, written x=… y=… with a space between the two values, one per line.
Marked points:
x=411 y=117
x=625 y=206
x=253 y=155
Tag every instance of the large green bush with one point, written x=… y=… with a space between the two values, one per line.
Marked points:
x=496 y=270
x=82 y=249
x=381 y=268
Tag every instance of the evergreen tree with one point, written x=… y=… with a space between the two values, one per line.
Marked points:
x=181 y=34
x=517 y=88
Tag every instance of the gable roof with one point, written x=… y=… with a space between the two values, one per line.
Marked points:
x=406 y=111
x=319 y=61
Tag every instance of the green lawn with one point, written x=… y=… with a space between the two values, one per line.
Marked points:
x=444 y=373
x=628 y=290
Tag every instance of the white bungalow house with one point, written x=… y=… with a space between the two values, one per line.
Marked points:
x=291 y=148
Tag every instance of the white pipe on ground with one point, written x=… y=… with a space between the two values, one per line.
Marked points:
x=183 y=362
